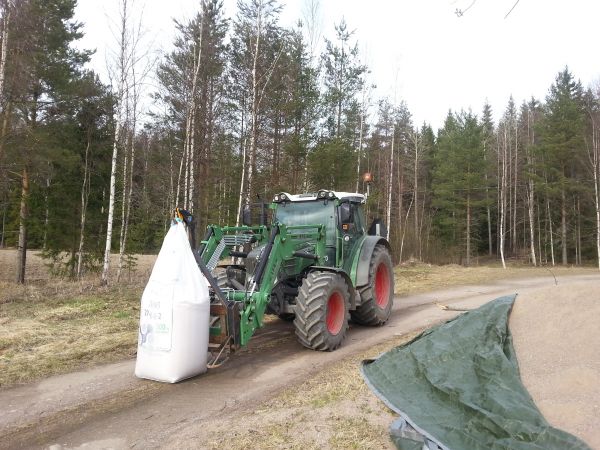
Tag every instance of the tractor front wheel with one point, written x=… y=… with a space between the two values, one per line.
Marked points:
x=322 y=311
x=377 y=299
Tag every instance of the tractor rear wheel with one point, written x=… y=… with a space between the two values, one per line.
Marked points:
x=378 y=298
x=322 y=311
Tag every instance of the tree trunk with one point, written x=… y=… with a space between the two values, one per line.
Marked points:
x=111 y=204
x=468 y=230
x=404 y=230
x=3 y=57
x=360 y=135
x=123 y=68
x=128 y=194
x=243 y=177
x=551 y=232
x=502 y=201
x=416 y=196
x=487 y=201
x=563 y=226
x=254 y=108
x=23 y=217
x=85 y=192
x=578 y=261
x=530 y=210
x=390 y=184
x=597 y=204
x=515 y=189
x=46 y=209
x=3 y=226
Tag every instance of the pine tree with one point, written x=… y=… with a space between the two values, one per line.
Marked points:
x=40 y=77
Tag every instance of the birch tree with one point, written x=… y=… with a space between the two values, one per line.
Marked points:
x=256 y=26
x=120 y=71
x=138 y=70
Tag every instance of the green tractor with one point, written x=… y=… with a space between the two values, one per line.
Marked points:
x=316 y=264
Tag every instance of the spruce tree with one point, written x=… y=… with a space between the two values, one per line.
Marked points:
x=459 y=181
x=561 y=149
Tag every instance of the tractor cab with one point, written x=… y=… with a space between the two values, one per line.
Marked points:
x=341 y=214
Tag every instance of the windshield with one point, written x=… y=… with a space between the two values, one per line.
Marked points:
x=309 y=213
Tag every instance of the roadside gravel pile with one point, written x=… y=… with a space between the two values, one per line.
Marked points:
x=556 y=335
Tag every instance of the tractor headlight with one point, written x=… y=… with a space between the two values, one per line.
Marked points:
x=331 y=195
x=283 y=197
x=322 y=194
x=276 y=198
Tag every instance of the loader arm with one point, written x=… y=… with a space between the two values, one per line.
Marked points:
x=285 y=250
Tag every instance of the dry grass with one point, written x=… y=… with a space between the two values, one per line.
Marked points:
x=411 y=278
x=44 y=333
x=51 y=326
x=335 y=409
x=38 y=268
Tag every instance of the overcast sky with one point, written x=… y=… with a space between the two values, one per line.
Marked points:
x=419 y=51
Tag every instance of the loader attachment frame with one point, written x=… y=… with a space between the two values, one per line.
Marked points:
x=237 y=314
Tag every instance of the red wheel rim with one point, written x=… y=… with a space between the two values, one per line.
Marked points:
x=335 y=313
x=382 y=285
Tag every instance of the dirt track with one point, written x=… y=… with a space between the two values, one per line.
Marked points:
x=108 y=408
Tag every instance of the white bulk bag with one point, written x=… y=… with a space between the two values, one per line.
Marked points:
x=174 y=315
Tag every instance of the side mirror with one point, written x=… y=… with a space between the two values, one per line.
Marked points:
x=247 y=216
x=345 y=213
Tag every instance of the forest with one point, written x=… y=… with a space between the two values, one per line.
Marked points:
x=243 y=108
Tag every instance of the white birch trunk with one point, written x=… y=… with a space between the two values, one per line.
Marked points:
x=85 y=192
x=191 y=129
x=416 y=195
x=111 y=203
x=597 y=204
x=503 y=186
x=7 y=6
x=122 y=74
x=360 y=136
x=551 y=232
x=128 y=186
x=254 y=107
x=404 y=230
x=391 y=184
x=530 y=211
x=242 y=181
x=531 y=190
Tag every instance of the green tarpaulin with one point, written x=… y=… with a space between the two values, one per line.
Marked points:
x=457 y=386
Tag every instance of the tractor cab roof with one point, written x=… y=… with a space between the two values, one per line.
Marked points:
x=323 y=194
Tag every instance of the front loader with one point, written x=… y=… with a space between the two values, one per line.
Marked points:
x=316 y=264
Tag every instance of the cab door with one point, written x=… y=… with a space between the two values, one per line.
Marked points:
x=351 y=228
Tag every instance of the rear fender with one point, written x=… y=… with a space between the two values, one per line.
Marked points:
x=364 y=258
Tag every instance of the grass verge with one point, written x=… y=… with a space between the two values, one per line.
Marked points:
x=47 y=329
